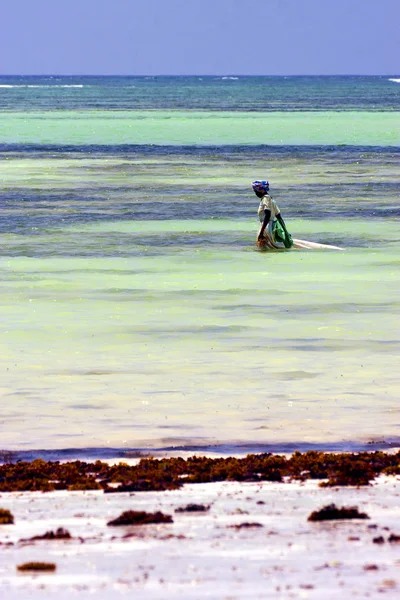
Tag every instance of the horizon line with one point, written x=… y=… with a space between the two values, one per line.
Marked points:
x=228 y=74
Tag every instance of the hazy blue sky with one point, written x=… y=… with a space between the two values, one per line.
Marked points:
x=266 y=37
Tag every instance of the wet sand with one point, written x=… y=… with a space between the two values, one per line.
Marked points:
x=254 y=541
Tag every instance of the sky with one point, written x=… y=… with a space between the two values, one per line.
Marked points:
x=200 y=37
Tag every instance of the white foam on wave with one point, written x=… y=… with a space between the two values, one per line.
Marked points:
x=25 y=85
x=224 y=78
x=395 y=80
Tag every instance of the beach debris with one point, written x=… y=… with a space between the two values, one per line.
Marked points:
x=6 y=517
x=332 y=512
x=394 y=539
x=59 y=534
x=192 y=508
x=137 y=517
x=37 y=566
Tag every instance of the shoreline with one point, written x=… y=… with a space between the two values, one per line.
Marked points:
x=223 y=449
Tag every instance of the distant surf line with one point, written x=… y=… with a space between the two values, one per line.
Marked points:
x=24 y=85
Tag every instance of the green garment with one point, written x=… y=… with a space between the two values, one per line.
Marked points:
x=281 y=234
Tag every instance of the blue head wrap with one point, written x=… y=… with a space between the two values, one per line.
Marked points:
x=261 y=186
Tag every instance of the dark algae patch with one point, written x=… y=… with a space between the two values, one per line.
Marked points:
x=152 y=474
x=144 y=485
x=351 y=471
x=192 y=508
x=43 y=476
x=59 y=534
x=392 y=539
x=246 y=525
x=6 y=518
x=138 y=517
x=37 y=566
x=378 y=539
x=332 y=512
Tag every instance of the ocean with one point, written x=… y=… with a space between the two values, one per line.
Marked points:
x=136 y=312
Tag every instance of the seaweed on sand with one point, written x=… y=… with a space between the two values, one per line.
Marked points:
x=37 y=566
x=135 y=517
x=332 y=512
x=246 y=525
x=192 y=508
x=152 y=474
x=6 y=517
x=378 y=540
x=144 y=485
x=59 y=534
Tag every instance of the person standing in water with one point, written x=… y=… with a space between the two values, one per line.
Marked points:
x=273 y=233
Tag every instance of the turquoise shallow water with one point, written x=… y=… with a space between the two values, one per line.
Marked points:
x=205 y=128
x=136 y=311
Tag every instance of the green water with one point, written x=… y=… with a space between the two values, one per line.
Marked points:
x=135 y=309
x=180 y=127
x=201 y=345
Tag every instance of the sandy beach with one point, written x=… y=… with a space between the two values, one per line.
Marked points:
x=254 y=541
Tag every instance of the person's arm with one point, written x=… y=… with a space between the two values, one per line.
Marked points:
x=267 y=216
